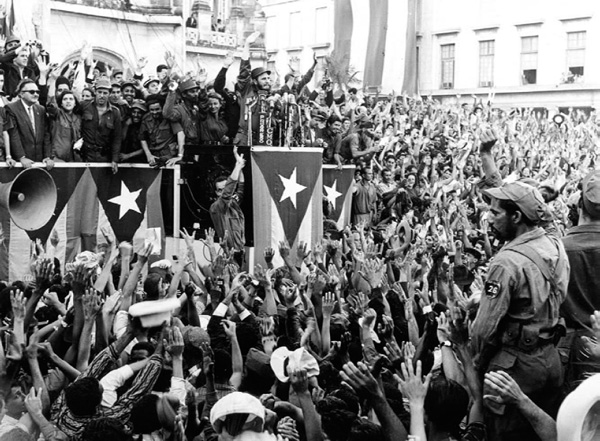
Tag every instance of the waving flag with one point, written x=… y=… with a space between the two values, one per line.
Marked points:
x=337 y=192
x=387 y=57
x=287 y=196
x=89 y=199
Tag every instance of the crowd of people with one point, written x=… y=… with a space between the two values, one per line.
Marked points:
x=460 y=304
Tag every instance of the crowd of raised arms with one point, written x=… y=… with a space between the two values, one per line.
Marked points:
x=372 y=333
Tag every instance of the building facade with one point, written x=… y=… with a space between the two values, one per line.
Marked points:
x=534 y=53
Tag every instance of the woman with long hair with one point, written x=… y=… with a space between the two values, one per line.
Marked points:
x=65 y=127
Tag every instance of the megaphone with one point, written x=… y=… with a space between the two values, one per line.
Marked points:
x=30 y=198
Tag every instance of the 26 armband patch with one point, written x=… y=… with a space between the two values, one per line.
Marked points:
x=492 y=289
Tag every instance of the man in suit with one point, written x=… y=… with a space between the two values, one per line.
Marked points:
x=29 y=139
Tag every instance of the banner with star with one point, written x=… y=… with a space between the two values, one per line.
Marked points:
x=287 y=196
x=90 y=199
x=337 y=194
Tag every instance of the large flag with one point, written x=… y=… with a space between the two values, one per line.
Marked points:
x=287 y=196
x=387 y=58
x=89 y=200
x=337 y=192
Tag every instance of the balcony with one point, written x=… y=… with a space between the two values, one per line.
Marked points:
x=217 y=40
x=152 y=7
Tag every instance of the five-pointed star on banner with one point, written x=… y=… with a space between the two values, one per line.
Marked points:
x=332 y=193
x=126 y=200
x=291 y=188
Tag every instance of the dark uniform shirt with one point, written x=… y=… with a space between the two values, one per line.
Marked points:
x=161 y=135
x=101 y=134
x=582 y=244
x=226 y=214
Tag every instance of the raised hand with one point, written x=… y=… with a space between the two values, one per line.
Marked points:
x=269 y=253
x=229 y=328
x=369 y=318
x=92 y=304
x=329 y=301
x=44 y=269
x=360 y=379
x=302 y=252
x=228 y=60
x=299 y=381
x=393 y=352
x=33 y=402
x=209 y=237
x=18 y=303
x=173 y=344
x=284 y=249
x=412 y=385
x=144 y=255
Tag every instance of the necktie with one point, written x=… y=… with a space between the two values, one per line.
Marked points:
x=31 y=117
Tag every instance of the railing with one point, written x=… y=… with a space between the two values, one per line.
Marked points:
x=158 y=7
x=210 y=39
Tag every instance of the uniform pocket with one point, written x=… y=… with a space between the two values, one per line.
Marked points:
x=502 y=361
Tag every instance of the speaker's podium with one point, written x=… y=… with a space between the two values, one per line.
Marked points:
x=282 y=193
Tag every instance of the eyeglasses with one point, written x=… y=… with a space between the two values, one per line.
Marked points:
x=33 y=92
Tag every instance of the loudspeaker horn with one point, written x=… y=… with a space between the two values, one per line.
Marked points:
x=30 y=198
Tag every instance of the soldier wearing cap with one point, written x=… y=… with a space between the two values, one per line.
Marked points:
x=517 y=324
x=582 y=245
x=131 y=148
x=250 y=84
x=185 y=112
x=101 y=127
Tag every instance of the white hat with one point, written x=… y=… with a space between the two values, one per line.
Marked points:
x=576 y=409
x=154 y=312
x=235 y=403
x=283 y=362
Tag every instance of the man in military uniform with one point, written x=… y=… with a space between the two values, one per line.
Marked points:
x=517 y=323
x=582 y=244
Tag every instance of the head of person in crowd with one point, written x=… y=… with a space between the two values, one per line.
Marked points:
x=28 y=91
x=411 y=180
x=117 y=76
x=22 y=57
x=152 y=85
x=334 y=124
x=346 y=125
x=387 y=176
x=67 y=101
x=62 y=84
x=515 y=208
x=366 y=174
x=138 y=110
x=2 y=80
x=215 y=102
x=292 y=78
x=87 y=94
x=155 y=105
x=446 y=405
x=261 y=78
x=102 y=91
x=83 y=397
x=162 y=70
x=352 y=92
x=116 y=94
x=153 y=412
x=11 y=43
x=589 y=201
x=189 y=91
x=235 y=414
x=128 y=90
x=14 y=402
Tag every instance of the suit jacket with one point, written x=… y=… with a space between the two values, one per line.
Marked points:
x=23 y=140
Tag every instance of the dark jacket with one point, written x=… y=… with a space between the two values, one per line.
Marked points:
x=23 y=140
